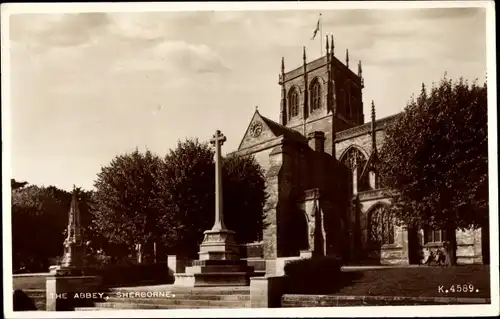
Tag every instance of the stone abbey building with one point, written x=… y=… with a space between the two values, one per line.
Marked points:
x=321 y=169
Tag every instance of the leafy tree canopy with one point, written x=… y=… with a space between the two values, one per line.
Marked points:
x=189 y=195
x=435 y=157
x=126 y=201
x=39 y=219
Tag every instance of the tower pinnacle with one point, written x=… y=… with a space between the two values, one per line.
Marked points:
x=373 y=111
x=327 y=47
x=374 y=136
x=332 y=45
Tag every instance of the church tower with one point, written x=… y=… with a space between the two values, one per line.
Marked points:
x=321 y=95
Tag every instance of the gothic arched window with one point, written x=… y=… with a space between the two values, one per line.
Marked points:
x=293 y=101
x=381 y=226
x=315 y=95
x=355 y=161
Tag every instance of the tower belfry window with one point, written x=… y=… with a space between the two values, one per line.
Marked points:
x=293 y=100
x=316 y=96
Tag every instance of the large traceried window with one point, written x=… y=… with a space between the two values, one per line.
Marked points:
x=381 y=225
x=355 y=161
x=293 y=102
x=315 y=95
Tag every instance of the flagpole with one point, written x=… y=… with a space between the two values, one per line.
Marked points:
x=321 y=33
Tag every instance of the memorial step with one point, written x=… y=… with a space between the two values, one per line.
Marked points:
x=175 y=298
x=193 y=302
x=135 y=305
x=194 y=297
x=211 y=279
x=218 y=269
x=221 y=262
x=237 y=290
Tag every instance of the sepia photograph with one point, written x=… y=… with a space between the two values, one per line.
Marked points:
x=249 y=159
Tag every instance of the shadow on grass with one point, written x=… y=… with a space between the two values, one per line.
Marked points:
x=323 y=285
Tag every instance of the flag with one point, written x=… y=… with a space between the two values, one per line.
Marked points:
x=317 y=28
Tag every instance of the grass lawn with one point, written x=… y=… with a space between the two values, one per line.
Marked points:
x=418 y=282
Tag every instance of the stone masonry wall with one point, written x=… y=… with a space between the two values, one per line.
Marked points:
x=287 y=203
x=270 y=209
x=363 y=141
x=469 y=247
x=263 y=158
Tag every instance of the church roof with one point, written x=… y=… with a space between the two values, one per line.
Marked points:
x=279 y=130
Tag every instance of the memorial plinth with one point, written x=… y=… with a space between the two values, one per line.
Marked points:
x=219 y=262
x=219 y=245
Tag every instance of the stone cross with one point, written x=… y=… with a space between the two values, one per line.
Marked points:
x=218 y=140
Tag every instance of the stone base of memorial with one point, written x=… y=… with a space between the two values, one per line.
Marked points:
x=218 y=264
x=68 y=287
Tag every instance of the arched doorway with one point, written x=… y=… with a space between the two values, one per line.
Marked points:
x=380 y=228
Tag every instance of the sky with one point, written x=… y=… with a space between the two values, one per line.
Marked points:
x=87 y=87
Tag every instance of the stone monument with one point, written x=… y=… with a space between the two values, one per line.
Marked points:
x=73 y=245
x=67 y=279
x=219 y=263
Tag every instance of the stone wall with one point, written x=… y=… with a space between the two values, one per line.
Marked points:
x=469 y=247
x=322 y=123
x=362 y=140
x=287 y=206
x=397 y=253
x=262 y=157
x=271 y=207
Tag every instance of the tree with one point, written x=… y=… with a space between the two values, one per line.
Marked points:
x=189 y=196
x=435 y=158
x=16 y=185
x=127 y=201
x=39 y=219
x=244 y=197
